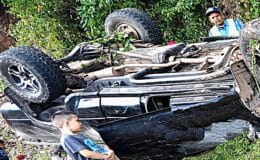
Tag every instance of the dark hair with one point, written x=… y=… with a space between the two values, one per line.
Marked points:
x=58 y=118
x=60 y=112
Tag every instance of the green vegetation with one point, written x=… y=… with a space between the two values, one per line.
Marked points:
x=237 y=149
x=94 y=12
x=2 y=85
x=51 y=26
x=57 y=26
x=251 y=9
x=180 y=20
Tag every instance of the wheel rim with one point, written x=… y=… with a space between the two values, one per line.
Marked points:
x=125 y=28
x=23 y=78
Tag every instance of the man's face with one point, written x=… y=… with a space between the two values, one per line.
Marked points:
x=74 y=124
x=2 y=145
x=216 y=18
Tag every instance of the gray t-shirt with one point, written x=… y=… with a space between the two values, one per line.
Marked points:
x=72 y=144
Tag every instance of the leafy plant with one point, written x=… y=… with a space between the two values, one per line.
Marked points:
x=118 y=41
x=94 y=12
x=2 y=86
x=180 y=20
x=251 y=9
x=115 y=42
x=238 y=148
x=47 y=25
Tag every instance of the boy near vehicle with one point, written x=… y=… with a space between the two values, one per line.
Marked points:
x=3 y=154
x=73 y=143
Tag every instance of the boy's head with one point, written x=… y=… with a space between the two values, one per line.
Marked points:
x=66 y=119
x=2 y=144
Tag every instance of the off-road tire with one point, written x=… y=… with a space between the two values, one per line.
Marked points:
x=138 y=20
x=252 y=59
x=32 y=74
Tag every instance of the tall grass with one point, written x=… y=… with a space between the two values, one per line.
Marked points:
x=239 y=148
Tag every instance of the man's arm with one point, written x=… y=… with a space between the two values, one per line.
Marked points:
x=239 y=24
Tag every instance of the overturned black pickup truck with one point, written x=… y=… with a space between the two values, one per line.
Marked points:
x=162 y=102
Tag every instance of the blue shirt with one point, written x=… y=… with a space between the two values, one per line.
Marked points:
x=93 y=146
x=224 y=30
x=3 y=155
x=72 y=144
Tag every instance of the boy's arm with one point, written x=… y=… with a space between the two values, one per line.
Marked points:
x=94 y=155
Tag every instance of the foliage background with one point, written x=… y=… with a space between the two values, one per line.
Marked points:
x=50 y=25
x=179 y=19
x=57 y=26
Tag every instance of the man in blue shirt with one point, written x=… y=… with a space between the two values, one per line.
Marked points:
x=222 y=26
x=3 y=154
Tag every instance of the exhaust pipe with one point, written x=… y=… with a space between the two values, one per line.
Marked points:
x=107 y=72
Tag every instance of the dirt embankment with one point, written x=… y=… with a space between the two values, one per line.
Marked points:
x=6 y=19
x=6 y=40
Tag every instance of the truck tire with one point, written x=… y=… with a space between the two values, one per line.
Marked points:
x=31 y=74
x=134 y=22
x=252 y=58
